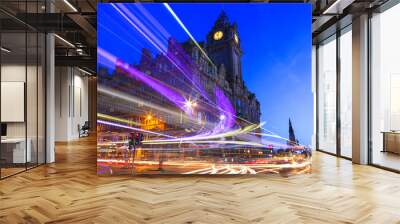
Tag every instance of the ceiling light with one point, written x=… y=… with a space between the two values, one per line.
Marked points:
x=70 y=5
x=338 y=6
x=5 y=50
x=65 y=41
x=84 y=71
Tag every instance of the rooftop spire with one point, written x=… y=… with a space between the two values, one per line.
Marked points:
x=292 y=137
x=222 y=19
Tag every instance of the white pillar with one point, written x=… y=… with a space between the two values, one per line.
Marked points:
x=314 y=92
x=50 y=99
x=360 y=90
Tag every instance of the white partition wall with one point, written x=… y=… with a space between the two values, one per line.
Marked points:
x=12 y=98
x=71 y=102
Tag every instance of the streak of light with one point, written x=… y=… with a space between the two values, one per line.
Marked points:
x=108 y=117
x=143 y=30
x=137 y=100
x=234 y=168
x=152 y=20
x=112 y=143
x=155 y=43
x=270 y=135
x=206 y=137
x=187 y=31
x=150 y=37
x=130 y=98
x=132 y=128
x=139 y=51
x=207 y=142
x=172 y=95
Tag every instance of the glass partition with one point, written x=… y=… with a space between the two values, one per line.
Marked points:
x=346 y=92
x=22 y=91
x=385 y=89
x=327 y=95
x=13 y=105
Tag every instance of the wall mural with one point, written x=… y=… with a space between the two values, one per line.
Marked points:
x=204 y=88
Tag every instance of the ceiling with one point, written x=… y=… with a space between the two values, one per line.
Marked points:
x=74 y=21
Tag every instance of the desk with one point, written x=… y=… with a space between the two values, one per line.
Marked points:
x=13 y=150
x=391 y=141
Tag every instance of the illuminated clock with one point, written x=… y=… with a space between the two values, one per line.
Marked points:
x=218 y=35
x=236 y=38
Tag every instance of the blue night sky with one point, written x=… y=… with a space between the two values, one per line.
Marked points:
x=275 y=38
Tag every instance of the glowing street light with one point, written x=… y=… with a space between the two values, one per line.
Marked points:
x=190 y=104
x=222 y=117
x=149 y=117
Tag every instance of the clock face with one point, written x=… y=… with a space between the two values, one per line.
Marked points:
x=236 y=38
x=218 y=35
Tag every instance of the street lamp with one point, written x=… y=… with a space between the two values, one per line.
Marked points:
x=189 y=104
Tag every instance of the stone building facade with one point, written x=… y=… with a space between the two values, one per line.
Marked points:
x=184 y=66
x=222 y=46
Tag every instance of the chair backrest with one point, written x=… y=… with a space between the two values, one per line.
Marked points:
x=86 y=125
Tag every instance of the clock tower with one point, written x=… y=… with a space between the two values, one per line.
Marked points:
x=223 y=47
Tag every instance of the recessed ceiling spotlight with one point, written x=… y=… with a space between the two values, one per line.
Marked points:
x=5 y=50
x=65 y=41
x=70 y=5
x=85 y=72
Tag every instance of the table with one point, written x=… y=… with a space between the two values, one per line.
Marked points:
x=391 y=141
x=13 y=150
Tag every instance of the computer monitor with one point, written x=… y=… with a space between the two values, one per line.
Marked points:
x=3 y=130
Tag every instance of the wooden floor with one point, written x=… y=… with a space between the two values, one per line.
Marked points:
x=70 y=192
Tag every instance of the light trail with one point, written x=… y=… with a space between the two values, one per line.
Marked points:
x=158 y=47
x=214 y=168
x=152 y=20
x=132 y=128
x=220 y=135
x=152 y=39
x=155 y=42
x=208 y=142
x=120 y=8
x=187 y=31
x=133 y=99
x=155 y=84
x=151 y=82
x=108 y=117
